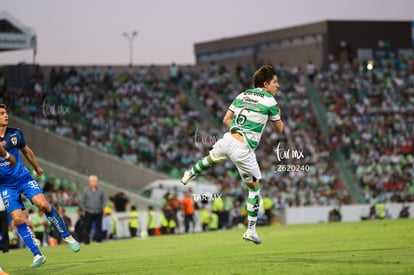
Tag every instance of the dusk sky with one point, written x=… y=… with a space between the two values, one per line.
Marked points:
x=79 y=32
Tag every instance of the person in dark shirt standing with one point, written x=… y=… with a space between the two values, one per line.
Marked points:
x=120 y=201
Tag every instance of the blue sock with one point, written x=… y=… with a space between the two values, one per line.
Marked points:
x=28 y=238
x=57 y=221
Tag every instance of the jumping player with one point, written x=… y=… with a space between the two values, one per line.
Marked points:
x=246 y=117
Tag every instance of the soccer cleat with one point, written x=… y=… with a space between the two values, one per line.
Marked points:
x=73 y=244
x=38 y=260
x=188 y=175
x=252 y=237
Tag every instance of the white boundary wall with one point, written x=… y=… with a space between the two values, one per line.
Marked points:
x=294 y=215
x=317 y=214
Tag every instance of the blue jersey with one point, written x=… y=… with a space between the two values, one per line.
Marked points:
x=12 y=142
x=16 y=180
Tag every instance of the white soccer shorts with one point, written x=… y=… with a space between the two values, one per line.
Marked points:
x=240 y=154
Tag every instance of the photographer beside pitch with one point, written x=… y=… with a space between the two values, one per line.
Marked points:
x=246 y=117
x=16 y=180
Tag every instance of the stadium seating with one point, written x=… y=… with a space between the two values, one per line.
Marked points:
x=145 y=117
x=372 y=114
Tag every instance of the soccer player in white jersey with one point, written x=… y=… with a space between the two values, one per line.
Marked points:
x=246 y=117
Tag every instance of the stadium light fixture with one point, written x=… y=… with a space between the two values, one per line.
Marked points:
x=130 y=37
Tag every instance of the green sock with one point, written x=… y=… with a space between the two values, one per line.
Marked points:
x=202 y=165
x=253 y=202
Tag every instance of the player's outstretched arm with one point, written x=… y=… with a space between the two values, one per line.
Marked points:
x=6 y=155
x=278 y=125
x=30 y=156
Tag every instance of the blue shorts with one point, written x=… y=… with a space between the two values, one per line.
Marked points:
x=11 y=192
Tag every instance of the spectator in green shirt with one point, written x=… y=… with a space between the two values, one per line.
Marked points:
x=39 y=224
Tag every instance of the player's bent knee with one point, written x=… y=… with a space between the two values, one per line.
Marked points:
x=18 y=217
x=41 y=203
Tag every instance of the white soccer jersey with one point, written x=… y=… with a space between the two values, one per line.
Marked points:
x=252 y=109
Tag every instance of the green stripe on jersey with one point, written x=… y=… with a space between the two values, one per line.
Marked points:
x=252 y=144
x=274 y=110
x=251 y=125
x=252 y=109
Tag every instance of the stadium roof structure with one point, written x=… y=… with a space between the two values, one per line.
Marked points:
x=318 y=42
x=14 y=35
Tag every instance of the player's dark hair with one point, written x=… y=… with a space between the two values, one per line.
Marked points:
x=262 y=75
x=3 y=106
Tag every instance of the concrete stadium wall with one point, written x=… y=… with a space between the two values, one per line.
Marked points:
x=86 y=160
x=291 y=56
x=350 y=213
x=295 y=56
x=82 y=181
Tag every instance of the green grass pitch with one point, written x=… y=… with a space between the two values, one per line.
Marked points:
x=368 y=247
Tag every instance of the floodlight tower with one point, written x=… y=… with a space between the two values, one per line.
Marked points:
x=130 y=37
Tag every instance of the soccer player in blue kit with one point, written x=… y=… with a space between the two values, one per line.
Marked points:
x=16 y=180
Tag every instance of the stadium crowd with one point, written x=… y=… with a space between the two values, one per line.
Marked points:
x=144 y=117
x=371 y=113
